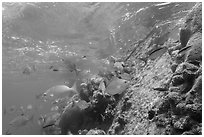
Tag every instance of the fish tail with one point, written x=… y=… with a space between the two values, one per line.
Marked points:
x=74 y=87
x=77 y=71
x=32 y=119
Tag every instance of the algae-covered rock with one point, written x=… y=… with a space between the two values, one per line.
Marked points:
x=174 y=98
x=194 y=19
x=182 y=123
x=177 y=80
x=71 y=120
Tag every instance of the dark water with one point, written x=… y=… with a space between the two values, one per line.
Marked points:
x=36 y=36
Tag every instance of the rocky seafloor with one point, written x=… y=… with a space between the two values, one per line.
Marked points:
x=164 y=96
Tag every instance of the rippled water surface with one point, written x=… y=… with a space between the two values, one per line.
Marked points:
x=37 y=36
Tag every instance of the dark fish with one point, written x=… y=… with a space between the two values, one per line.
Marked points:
x=4 y=111
x=8 y=132
x=161 y=89
x=11 y=109
x=184 y=50
x=29 y=69
x=46 y=126
x=156 y=53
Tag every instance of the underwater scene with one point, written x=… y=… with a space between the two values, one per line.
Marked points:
x=100 y=68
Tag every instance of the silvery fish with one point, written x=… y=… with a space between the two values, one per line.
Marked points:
x=102 y=86
x=82 y=104
x=61 y=91
x=21 y=120
x=10 y=110
x=117 y=86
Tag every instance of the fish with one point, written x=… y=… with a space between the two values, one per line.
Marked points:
x=29 y=107
x=156 y=53
x=184 y=50
x=117 y=86
x=102 y=86
x=11 y=110
x=71 y=65
x=29 y=69
x=82 y=104
x=61 y=91
x=21 y=121
x=4 y=111
x=125 y=76
x=8 y=132
x=118 y=65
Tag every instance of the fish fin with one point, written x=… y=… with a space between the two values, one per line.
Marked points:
x=74 y=87
x=77 y=71
x=32 y=119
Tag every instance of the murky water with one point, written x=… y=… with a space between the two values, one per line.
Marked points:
x=37 y=36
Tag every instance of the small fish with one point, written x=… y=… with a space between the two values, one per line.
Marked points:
x=144 y=59
x=126 y=76
x=29 y=107
x=118 y=65
x=161 y=89
x=184 y=50
x=82 y=104
x=156 y=53
x=12 y=109
x=8 y=132
x=102 y=86
x=61 y=91
x=29 y=69
x=117 y=86
x=54 y=108
x=71 y=66
x=21 y=120
x=4 y=111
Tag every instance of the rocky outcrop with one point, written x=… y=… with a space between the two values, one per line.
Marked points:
x=180 y=111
